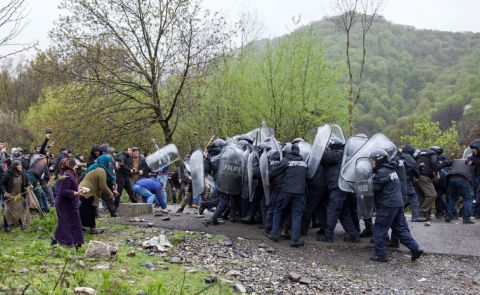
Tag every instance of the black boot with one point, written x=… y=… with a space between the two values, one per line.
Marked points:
x=379 y=259
x=296 y=244
x=416 y=254
x=202 y=209
x=366 y=233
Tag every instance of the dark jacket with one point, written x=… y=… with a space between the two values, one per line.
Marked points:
x=319 y=180
x=428 y=163
x=332 y=161
x=25 y=163
x=125 y=162
x=6 y=182
x=476 y=164
x=56 y=164
x=386 y=186
x=402 y=173
x=212 y=160
x=411 y=171
x=275 y=181
x=293 y=171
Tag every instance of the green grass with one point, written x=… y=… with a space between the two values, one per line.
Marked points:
x=30 y=249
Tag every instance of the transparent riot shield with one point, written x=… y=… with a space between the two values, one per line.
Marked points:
x=305 y=149
x=230 y=171
x=251 y=185
x=364 y=188
x=198 y=172
x=337 y=132
x=163 y=157
x=319 y=145
x=377 y=141
x=352 y=146
x=263 y=165
x=467 y=153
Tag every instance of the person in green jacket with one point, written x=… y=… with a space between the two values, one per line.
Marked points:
x=95 y=182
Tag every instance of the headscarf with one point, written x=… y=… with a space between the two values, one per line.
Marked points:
x=67 y=164
x=103 y=162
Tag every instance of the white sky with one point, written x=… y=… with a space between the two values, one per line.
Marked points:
x=445 y=15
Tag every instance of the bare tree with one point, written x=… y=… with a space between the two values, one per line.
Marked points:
x=348 y=13
x=12 y=15
x=146 y=55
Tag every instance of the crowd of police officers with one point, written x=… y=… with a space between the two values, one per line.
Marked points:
x=289 y=188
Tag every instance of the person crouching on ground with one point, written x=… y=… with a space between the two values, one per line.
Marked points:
x=389 y=205
x=151 y=191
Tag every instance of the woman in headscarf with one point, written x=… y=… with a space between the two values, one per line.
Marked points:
x=14 y=185
x=97 y=180
x=67 y=204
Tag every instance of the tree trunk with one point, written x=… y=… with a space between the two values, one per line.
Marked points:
x=167 y=131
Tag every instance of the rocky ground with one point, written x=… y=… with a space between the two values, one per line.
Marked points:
x=257 y=265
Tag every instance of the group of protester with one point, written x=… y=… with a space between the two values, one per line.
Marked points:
x=75 y=187
x=286 y=195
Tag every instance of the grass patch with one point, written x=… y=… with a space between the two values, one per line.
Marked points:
x=28 y=262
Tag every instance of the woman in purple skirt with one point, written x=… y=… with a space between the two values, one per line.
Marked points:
x=69 y=229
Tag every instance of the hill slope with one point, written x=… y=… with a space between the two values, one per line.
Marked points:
x=410 y=72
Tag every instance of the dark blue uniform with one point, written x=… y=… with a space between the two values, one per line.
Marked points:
x=275 y=186
x=292 y=192
x=317 y=200
x=389 y=213
x=339 y=201
x=412 y=172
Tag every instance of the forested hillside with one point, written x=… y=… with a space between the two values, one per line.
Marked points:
x=411 y=72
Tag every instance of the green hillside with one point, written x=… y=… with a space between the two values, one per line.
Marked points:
x=411 y=72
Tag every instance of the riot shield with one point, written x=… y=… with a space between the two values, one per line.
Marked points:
x=348 y=170
x=230 y=141
x=305 y=149
x=187 y=171
x=230 y=171
x=467 y=153
x=266 y=131
x=34 y=158
x=320 y=143
x=198 y=172
x=245 y=187
x=364 y=188
x=263 y=165
x=163 y=157
x=251 y=185
x=337 y=132
x=352 y=146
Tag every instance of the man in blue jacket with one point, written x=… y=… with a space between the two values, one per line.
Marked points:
x=150 y=190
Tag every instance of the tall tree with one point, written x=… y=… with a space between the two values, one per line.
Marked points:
x=12 y=14
x=348 y=13
x=146 y=54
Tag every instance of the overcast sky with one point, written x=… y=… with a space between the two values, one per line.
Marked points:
x=445 y=15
